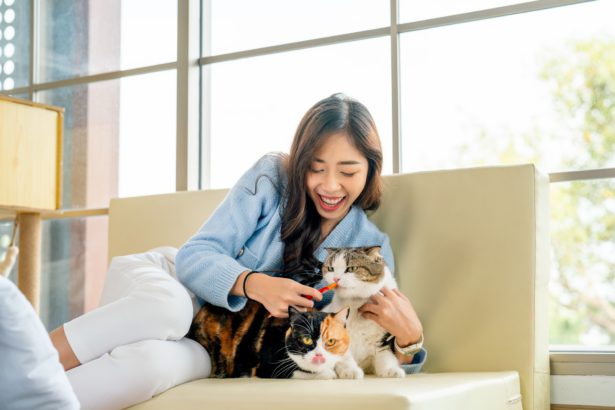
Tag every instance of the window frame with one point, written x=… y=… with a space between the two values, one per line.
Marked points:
x=193 y=141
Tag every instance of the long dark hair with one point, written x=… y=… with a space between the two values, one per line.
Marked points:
x=300 y=220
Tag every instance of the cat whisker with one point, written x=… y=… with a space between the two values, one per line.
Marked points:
x=283 y=369
x=309 y=323
x=283 y=360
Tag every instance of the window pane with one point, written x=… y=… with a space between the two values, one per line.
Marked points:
x=582 y=306
x=21 y=96
x=73 y=266
x=14 y=44
x=256 y=104
x=6 y=234
x=515 y=96
x=91 y=37
x=233 y=25
x=119 y=138
x=413 y=10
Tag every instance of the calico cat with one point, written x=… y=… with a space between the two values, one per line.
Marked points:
x=359 y=274
x=252 y=343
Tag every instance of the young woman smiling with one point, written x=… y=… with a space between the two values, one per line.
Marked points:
x=281 y=215
x=286 y=210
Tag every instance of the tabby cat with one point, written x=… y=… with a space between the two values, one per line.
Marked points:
x=359 y=274
x=252 y=343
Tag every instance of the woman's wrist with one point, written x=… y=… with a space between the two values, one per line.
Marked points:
x=252 y=285
x=409 y=338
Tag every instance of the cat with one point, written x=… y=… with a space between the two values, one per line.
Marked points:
x=251 y=343
x=360 y=273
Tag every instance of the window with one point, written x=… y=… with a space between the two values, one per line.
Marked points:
x=14 y=44
x=461 y=85
x=112 y=66
x=257 y=103
x=413 y=10
x=237 y=25
x=540 y=96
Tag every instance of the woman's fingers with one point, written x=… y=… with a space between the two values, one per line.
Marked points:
x=314 y=293
x=369 y=307
x=386 y=291
x=369 y=315
x=401 y=295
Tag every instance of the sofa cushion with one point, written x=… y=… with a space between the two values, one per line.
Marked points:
x=459 y=391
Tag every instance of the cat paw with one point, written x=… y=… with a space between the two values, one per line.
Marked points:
x=396 y=372
x=349 y=372
x=326 y=375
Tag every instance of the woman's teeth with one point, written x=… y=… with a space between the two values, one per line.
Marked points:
x=331 y=201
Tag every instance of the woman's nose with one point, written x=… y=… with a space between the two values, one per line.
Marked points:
x=331 y=183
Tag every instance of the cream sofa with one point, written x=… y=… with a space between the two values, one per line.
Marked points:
x=471 y=250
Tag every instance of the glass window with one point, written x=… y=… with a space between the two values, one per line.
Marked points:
x=73 y=268
x=513 y=96
x=86 y=37
x=22 y=96
x=6 y=235
x=14 y=44
x=582 y=305
x=413 y=10
x=73 y=265
x=234 y=25
x=256 y=104
x=119 y=138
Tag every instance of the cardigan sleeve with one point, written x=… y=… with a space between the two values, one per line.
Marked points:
x=417 y=363
x=387 y=253
x=208 y=263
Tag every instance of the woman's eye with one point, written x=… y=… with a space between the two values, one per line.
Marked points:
x=307 y=341
x=316 y=171
x=348 y=174
x=330 y=342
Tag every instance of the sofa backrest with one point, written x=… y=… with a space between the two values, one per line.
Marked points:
x=471 y=252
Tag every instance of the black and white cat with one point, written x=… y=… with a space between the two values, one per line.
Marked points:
x=359 y=274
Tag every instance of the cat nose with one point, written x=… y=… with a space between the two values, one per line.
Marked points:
x=336 y=280
x=318 y=358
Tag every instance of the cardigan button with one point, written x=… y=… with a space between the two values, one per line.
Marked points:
x=240 y=252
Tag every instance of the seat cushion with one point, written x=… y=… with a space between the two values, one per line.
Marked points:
x=459 y=391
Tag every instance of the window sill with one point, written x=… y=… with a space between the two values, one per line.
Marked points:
x=579 y=362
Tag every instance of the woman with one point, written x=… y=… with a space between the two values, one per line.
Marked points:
x=281 y=214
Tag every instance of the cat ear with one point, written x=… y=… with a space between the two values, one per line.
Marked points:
x=373 y=251
x=293 y=314
x=342 y=316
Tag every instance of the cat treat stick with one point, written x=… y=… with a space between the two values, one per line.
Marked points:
x=323 y=290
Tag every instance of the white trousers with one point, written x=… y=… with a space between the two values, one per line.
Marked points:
x=132 y=346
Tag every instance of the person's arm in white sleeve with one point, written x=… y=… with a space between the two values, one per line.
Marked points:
x=31 y=376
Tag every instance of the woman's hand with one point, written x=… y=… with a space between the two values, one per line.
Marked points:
x=393 y=311
x=276 y=294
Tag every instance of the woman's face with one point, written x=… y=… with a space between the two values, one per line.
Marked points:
x=336 y=178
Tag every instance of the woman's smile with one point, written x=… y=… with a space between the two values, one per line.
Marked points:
x=336 y=179
x=331 y=204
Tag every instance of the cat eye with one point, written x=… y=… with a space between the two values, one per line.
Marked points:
x=351 y=269
x=330 y=342
x=327 y=268
x=307 y=341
